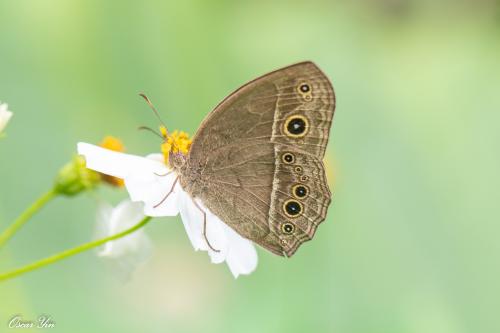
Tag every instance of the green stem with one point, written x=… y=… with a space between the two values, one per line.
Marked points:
x=26 y=215
x=71 y=252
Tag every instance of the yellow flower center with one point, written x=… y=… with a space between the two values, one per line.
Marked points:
x=112 y=143
x=175 y=142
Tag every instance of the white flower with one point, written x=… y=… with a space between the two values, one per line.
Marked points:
x=128 y=252
x=147 y=182
x=4 y=116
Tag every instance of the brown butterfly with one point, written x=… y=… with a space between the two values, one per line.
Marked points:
x=256 y=160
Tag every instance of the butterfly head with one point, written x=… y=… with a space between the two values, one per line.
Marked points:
x=175 y=147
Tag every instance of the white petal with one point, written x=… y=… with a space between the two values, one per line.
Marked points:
x=192 y=217
x=242 y=257
x=117 y=164
x=217 y=237
x=126 y=253
x=192 y=220
x=151 y=189
x=103 y=217
x=156 y=157
x=122 y=217
x=5 y=116
x=144 y=177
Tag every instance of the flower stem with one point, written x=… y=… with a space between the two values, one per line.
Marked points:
x=26 y=215
x=71 y=252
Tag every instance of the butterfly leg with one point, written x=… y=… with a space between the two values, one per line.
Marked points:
x=164 y=175
x=170 y=192
x=205 y=227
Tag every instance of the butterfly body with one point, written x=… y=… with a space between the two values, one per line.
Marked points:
x=256 y=161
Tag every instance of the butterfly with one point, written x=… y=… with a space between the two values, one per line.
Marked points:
x=256 y=160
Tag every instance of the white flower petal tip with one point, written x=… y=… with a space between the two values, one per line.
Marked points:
x=242 y=258
x=5 y=116
x=117 y=164
x=130 y=251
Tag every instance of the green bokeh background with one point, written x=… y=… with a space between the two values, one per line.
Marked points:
x=411 y=239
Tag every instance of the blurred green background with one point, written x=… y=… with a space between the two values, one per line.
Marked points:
x=411 y=240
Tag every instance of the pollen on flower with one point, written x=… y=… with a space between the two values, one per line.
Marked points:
x=112 y=143
x=163 y=131
x=176 y=142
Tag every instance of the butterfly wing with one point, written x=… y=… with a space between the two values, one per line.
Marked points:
x=256 y=161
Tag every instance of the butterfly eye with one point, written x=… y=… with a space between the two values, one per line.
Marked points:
x=287 y=228
x=298 y=169
x=300 y=191
x=304 y=178
x=296 y=126
x=288 y=158
x=292 y=208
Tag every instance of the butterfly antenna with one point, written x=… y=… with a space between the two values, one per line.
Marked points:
x=149 y=129
x=157 y=115
x=153 y=108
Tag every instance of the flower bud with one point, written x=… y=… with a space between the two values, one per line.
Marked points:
x=74 y=178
